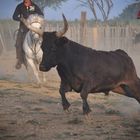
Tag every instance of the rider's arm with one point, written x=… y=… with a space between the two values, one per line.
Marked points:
x=16 y=15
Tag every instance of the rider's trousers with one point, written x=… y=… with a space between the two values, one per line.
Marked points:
x=19 y=45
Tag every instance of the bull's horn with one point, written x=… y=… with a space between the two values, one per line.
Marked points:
x=63 y=31
x=36 y=30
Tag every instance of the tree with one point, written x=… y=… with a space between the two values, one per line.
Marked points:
x=130 y=12
x=48 y=3
x=104 y=6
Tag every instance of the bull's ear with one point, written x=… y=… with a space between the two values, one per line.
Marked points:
x=61 y=41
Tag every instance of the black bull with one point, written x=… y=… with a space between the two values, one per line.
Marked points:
x=85 y=70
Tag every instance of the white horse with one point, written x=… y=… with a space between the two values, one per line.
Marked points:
x=31 y=46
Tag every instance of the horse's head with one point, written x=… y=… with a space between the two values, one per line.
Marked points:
x=35 y=21
x=40 y=31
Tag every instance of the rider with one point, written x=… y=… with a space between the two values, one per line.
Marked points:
x=26 y=8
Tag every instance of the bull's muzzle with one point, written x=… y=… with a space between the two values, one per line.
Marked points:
x=43 y=68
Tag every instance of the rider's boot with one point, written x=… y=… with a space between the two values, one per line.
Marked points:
x=19 y=58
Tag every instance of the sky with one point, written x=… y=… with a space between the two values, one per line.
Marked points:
x=71 y=9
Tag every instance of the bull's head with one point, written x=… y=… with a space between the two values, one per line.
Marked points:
x=50 y=44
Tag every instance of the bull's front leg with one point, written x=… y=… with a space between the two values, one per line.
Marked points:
x=63 y=89
x=86 y=108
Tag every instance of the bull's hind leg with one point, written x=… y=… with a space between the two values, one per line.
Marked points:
x=134 y=88
x=119 y=90
x=130 y=90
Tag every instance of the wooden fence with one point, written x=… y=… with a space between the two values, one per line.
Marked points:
x=100 y=37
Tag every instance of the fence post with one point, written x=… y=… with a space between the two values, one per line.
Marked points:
x=2 y=40
x=83 y=27
x=95 y=36
x=2 y=48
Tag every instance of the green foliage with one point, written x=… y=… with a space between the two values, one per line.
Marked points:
x=48 y=3
x=130 y=12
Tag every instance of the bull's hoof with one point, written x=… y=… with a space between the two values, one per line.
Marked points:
x=66 y=107
x=138 y=101
x=86 y=112
x=106 y=93
x=67 y=111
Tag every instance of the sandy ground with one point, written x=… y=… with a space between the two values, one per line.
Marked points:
x=28 y=112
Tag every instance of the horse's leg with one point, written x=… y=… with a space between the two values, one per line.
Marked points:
x=28 y=72
x=43 y=75
x=35 y=70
